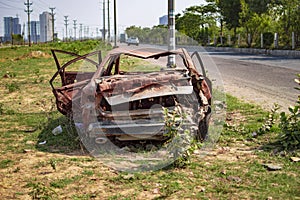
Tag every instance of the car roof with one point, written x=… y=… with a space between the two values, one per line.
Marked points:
x=148 y=52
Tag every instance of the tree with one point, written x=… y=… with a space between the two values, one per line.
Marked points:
x=258 y=6
x=230 y=11
x=286 y=15
x=133 y=31
x=157 y=34
x=197 y=22
x=17 y=39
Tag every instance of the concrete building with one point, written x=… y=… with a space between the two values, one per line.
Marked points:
x=11 y=26
x=163 y=20
x=45 y=27
x=35 y=31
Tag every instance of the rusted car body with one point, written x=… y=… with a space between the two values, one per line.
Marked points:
x=127 y=104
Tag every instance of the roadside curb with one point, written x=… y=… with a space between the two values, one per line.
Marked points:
x=283 y=53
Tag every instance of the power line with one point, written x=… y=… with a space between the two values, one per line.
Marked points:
x=103 y=30
x=108 y=21
x=80 y=32
x=115 y=24
x=15 y=1
x=66 y=24
x=52 y=15
x=42 y=2
x=10 y=6
x=28 y=11
x=75 y=28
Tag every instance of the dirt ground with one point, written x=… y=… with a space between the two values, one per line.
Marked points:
x=32 y=174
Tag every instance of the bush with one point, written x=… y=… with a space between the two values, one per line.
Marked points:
x=268 y=39
x=290 y=125
x=12 y=87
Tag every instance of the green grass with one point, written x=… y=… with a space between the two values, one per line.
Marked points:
x=132 y=64
x=5 y=163
x=60 y=169
x=61 y=183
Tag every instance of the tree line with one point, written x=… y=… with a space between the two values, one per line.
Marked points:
x=233 y=23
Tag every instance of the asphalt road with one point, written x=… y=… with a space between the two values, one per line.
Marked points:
x=259 y=79
x=263 y=80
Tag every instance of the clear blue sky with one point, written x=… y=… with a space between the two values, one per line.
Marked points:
x=144 y=13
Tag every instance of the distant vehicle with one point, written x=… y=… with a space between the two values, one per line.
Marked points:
x=123 y=38
x=133 y=40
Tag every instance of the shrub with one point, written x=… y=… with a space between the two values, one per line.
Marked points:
x=290 y=125
x=12 y=87
x=268 y=39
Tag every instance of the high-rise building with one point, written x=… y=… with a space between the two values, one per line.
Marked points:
x=11 y=27
x=163 y=20
x=35 y=31
x=45 y=27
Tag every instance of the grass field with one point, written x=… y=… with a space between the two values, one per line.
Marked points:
x=236 y=168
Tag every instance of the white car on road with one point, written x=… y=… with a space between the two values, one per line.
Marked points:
x=133 y=40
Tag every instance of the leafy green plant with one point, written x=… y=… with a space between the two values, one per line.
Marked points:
x=298 y=88
x=61 y=183
x=9 y=74
x=269 y=122
x=290 y=125
x=290 y=128
x=1 y=108
x=268 y=39
x=40 y=191
x=12 y=87
x=53 y=163
x=38 y=76
x=5 y=163
x=181 y=143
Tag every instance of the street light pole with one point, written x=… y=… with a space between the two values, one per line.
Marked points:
x=171 y=28
x=52 y=15
x=115 y=24
x=28 y=11
x=66 y=24
x=108 y=20
x=75 y=27
x=103 y=21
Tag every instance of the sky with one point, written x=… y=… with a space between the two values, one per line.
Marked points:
x=90 y=12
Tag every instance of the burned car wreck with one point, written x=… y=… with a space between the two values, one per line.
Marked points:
x=127 y=94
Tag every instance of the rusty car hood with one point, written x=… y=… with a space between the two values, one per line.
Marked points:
x=124 y=88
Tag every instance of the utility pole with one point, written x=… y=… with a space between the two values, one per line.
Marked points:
x=108 y=20
x=171 y=27
x=80 y=31
x=115 y=24
x=23 y=33
x=52 y=15
x=75 y=27
x=12 y=31
x=84 y=32
x=46 y=38
x=103 y=32
x=70 y=33
x=28 y=11
x=66 y=24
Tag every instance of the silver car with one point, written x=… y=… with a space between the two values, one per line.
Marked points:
x=133 y=41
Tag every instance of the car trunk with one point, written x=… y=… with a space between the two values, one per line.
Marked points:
x=133 y=104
